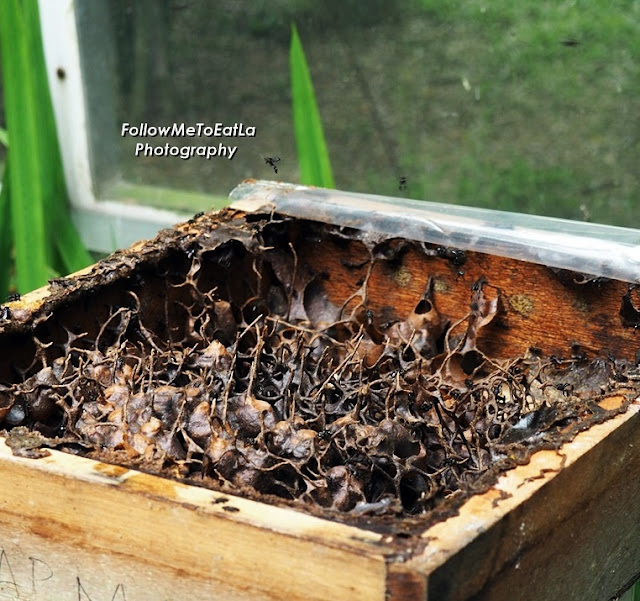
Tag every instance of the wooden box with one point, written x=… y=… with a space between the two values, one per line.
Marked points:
x=563 y=525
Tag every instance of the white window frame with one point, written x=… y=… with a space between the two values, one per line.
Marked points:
x=104 y=225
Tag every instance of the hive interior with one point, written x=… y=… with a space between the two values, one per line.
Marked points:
x=221 y=354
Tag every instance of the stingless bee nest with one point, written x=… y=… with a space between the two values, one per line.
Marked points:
x=218 y=357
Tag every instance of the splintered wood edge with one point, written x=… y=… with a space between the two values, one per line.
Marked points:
x=209 y=535
x=513 y=488
x=34 y=299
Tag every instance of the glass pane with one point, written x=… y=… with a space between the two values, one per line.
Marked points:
x=529 y=106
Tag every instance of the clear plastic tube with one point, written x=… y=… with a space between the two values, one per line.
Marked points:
x=590 y=248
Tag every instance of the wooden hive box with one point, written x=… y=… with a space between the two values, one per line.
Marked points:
x=564 y=522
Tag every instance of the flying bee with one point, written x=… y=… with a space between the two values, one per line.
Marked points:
x=402 y=182
x=271 y=161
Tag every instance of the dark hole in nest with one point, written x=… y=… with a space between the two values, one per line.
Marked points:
x=412 y=487
x=471 y=361
x=424 y=306
x=228 y=365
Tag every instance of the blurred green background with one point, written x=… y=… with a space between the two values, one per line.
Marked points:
x=527 y=106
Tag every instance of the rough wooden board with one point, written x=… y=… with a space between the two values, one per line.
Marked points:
x=404 y=583
x=137 y=524
x=546 y=532
x=34 y=568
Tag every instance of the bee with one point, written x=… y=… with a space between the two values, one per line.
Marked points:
x=271 y=161
x=565 y=388
x=402 y=182
x=456 y=257
x=13 y=297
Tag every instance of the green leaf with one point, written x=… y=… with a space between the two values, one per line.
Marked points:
x=46 y=241
x=4 y=137
x=313 y=158
x=69 y=247
x=6 y=239
x=69 y=253
x=24 y=168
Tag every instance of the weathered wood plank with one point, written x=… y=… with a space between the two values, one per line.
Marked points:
x=133 y=524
